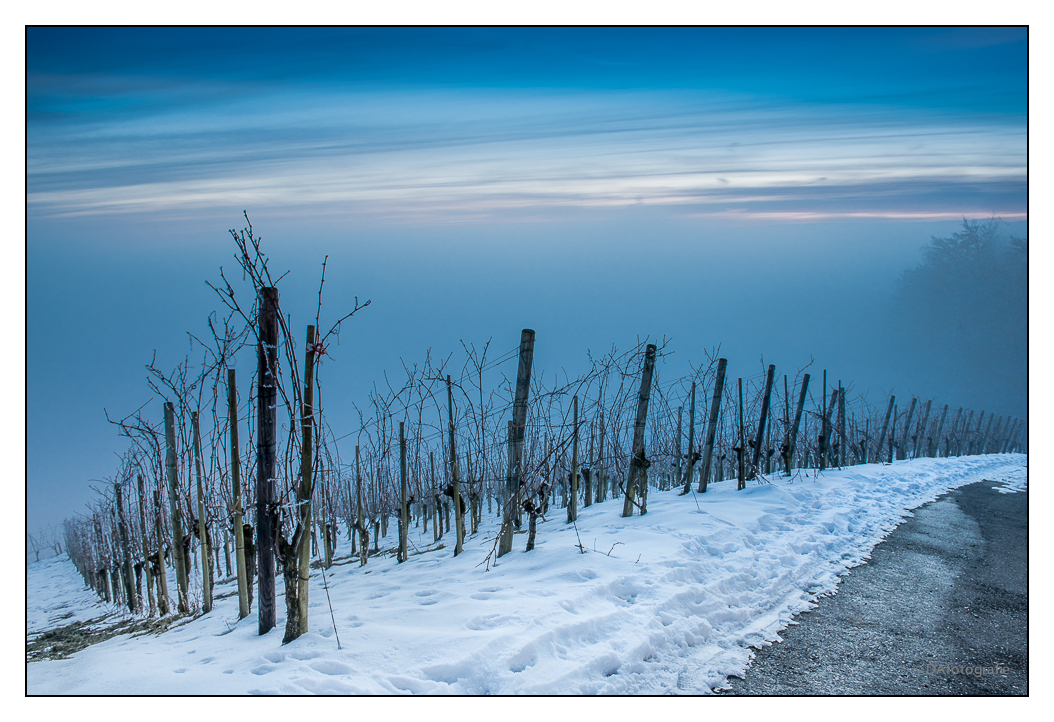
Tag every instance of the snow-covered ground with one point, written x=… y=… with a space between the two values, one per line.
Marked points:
x=1014 y=482
x=665 y=603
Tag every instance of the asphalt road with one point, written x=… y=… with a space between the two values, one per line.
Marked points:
x=947 y=587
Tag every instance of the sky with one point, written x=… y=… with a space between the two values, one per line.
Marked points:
x=757 y=188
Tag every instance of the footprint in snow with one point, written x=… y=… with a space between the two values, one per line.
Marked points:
x=329 y=666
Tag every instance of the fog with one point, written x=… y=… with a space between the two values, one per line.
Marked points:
x=724 y=188
x=782 y=294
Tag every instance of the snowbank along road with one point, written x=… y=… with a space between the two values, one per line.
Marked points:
x=941 y=608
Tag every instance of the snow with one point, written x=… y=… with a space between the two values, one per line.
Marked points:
x=1015 y=481
x=671 y=602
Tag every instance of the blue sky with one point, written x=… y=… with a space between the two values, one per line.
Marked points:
x=434 y=164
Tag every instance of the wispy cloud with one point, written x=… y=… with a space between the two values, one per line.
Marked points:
x=422 y=152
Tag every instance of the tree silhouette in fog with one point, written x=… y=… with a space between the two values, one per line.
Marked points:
x=961 y=317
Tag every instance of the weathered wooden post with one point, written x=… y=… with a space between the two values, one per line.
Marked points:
x=307 y=479
x=741 y=476
x=266 y=451
x=922 y=428
x=236 y=489
x=825 y=443
x=951 y=434
x=1018 y=425
x=172 y=471
x=598 y=464
x=1010 y=436
x=792 y=439
x=997 y=434
x=691 y=443
x=638 y=463
x=935 y=445
x=984 y=439
x=126 y=550
x=824 y=439
x=587 y=471
x=404 y=516
x=892 y=433
x=761 y=422
x=711 y=425
x=965 y=435
x=677 y=444
x=976 y=440
x=146 y=547
x=459 y=528
x=842 y=440
x=572 y=506
x=1004 y=434
x=885 y=427
x=203 y=537
x=437 y=507
x=902 y=450
x=162 y=578
x=517 y=432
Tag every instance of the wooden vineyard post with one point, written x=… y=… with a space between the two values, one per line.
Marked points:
x=885 y=427
x=172 y=472
x=162 y=578
x=236 y=489
x=637 y=463
x=404 y=517
x=758 y=440
x=437 y=520
x=516 y=436
x=266 y=450
x=126 y=550
x=984 y=439
x=598 y=464
x=1010 y=436
x=965 y=435
x=824 y=437
x=711 y=425
x=691 y=443
x=935 y=442
x=922 y=428
x=786 y=413
x=203 y=537
x=902 y=450
x=146 y=546
x=951 y=434
x=587 y=472
x=825 y=443
x=976 y=440
x=360 y=521
x=1004 y=434
x=307 y=479
x=572 y=505
x=1000 y=432
x=677 y=446
x=741 y=476
x=459 y=529
x=843 y=442
x=792 y=438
